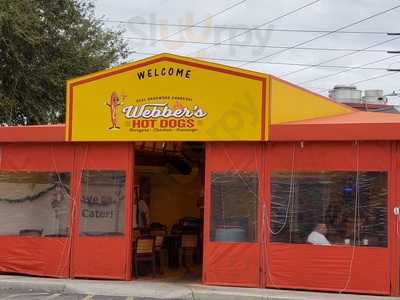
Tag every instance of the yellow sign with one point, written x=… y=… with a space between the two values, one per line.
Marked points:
x=168 y=98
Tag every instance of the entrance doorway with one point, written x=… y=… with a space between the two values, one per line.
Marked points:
x=168 y=211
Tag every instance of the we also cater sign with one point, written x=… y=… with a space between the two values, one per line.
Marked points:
x=167 y=98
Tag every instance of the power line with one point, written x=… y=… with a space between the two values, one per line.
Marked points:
x=251 y=46
x=375 y=77
x=225 y=27
x=386 y=74
x=364 y=80
x=270 y=62
x=208 y=18
x=344 y=71
x=342 y=56
x=328 y=33
x=262 y=25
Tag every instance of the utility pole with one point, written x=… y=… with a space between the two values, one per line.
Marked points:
x=393 y=52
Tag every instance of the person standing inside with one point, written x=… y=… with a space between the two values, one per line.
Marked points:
x=144 y=213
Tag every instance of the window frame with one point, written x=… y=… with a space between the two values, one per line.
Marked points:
x=67 y=196
x=249 y=238
x=386 y=172
x=122 y=213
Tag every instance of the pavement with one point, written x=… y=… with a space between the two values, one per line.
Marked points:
x=27 y=294
x=23 y=287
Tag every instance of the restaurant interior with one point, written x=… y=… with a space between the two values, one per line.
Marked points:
x=168 y=211
x=352 y=206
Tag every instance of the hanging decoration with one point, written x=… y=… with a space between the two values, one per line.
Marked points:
x=30 y=198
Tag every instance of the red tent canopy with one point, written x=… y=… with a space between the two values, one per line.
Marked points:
x=355 y=126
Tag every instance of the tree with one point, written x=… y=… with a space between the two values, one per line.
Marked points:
x=42 y=44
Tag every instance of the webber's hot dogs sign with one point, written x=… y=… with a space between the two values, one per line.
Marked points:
x=167 y=98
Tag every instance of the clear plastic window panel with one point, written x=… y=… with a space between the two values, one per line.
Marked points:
x=234 y=198
x=329 y=208
x=102 y=208
x=34 y=203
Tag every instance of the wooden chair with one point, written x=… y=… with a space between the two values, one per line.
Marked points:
x=158 y=242
x=158 y=232
x=161 y=252
x=188 y=247
x=145 y=252
x=136 y=233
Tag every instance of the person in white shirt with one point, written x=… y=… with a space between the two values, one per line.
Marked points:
x=317 y=237
x=144 y=213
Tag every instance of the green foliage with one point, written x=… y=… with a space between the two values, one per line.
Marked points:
x=42 y=44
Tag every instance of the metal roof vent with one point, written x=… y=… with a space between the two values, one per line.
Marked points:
x=345 y=94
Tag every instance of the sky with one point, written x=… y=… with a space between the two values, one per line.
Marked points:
x=275 y=30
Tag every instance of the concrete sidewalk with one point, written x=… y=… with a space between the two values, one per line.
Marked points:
x=161 y=290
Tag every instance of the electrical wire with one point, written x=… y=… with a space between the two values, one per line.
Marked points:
x=261 y=25
x=356 y=217
x=326 y=34
x=226 y=27
x=386 y=74
x=344 y=71
x=291 y=192
x=208 y=18
x=254 y=46
x=320 y=89
x=342 y=56
x=66 y=249
x=345 y=55
x=271 y=62
x=290 y=197
x=375 y=77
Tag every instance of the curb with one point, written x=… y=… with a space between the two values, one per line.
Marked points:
x=159 y=290
x=140 y=290
x=51 y=287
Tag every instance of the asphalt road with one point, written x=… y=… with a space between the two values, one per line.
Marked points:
x=14 y=294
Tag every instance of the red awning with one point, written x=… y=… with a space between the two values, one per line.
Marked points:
x=38 y=133
x=355 y=126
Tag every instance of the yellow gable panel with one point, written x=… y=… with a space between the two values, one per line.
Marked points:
x=167 y=98
x=291 y=103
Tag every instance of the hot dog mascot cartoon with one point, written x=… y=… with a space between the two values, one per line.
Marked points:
x=113 y=105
